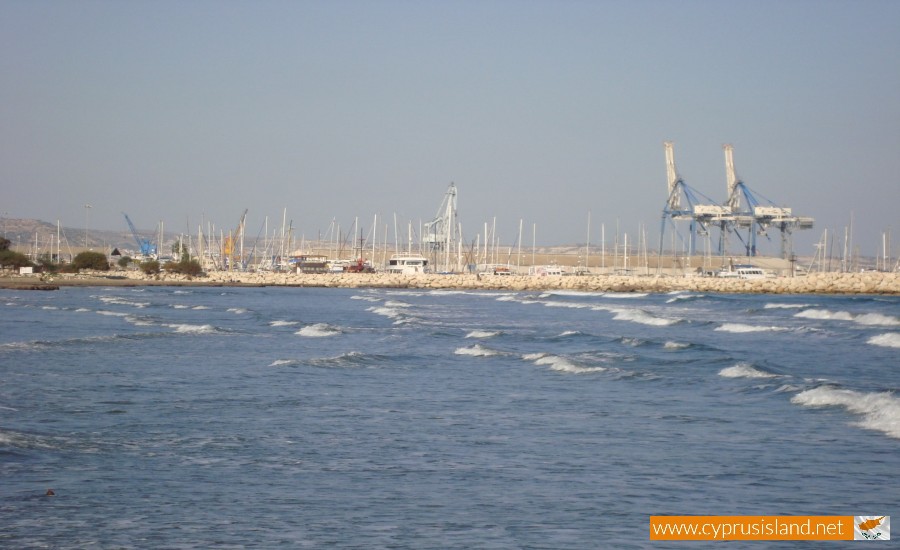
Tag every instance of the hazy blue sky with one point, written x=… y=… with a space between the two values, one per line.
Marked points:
x=539 y=110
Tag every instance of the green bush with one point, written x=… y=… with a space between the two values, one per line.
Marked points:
x=185 y=267
x=91 y=260
x=150 y=267
x=124 y=262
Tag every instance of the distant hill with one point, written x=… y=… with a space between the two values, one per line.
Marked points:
x=25 y=234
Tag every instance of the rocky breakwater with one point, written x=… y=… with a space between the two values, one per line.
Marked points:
x=816 y=283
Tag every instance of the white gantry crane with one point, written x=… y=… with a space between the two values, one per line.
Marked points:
x=756 y=218
x=686 y=203
x=443 y=234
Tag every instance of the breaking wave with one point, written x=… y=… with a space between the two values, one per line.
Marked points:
x=744 y=370
x=642 y=317
x=877 y=319
x=319 y=330
x=675 y=345
x=282 y=323
x=476 y=351
x=193 y=329
x=824 y=314
x=679 y=297
x=561 y=364
x=483 y=334
x=888 y=340
x=869 y=319
x=740 y=328
x=389 y=312
x=879 y=411
x=349 y=359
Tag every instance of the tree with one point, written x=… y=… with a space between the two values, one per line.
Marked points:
x=4 y=243
x=15 y=260
x=124 y=261
x=91 y=260
x=47 y=265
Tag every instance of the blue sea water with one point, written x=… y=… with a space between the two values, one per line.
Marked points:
x=167 y=417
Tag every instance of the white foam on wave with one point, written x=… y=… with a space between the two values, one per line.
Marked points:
x=642 y=317
x=139 y=322
x=396 y=303
x=483 y=334
x=786 y=306
x=201 y=307
x=744 y=370
x=282 y=323
x=111 y=313
x=237 y=310
x=675 y=345
x=283 y=362
x=549 y=293
x=193 y=329
x=393 y=313
x=741 y=328
x=533 y=356
x=869 y=319
x=679 y=296
x=366 y=298
x=318 y=330
x=49 y=307
x=476 y=351
x=114 y=300
x=880 y=411
x=824 y=314
x=625 y=295
x=888 y=340
x=507 y=298
x=572 y=305
x=569 y=333
x=561 y=364
x=81 y=310
x=180 y=306
x=877 y=319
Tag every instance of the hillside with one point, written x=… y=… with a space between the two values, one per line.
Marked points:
x=26 y=234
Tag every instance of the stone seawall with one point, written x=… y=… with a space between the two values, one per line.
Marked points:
x=815 y=283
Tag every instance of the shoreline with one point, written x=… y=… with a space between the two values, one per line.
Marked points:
x=815 y=283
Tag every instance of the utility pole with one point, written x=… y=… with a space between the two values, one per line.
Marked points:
x=87 y=210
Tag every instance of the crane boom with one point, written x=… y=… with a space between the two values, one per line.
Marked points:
x=731 y=179
x=144 y=245
x=673 y=177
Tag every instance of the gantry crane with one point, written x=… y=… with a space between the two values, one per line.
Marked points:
x=756 y=218
x=442 y=233
x=686 y=203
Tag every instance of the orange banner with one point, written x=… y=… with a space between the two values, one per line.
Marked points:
x=751 y=527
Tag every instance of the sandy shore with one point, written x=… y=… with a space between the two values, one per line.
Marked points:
x=815 y=283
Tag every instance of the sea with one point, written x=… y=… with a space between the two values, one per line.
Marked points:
x=276 y=417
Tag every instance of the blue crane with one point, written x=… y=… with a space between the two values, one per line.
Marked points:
x=144 y=245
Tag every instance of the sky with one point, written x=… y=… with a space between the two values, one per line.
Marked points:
x=548 y=112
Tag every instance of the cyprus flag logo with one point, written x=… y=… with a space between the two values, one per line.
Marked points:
x=871 y=527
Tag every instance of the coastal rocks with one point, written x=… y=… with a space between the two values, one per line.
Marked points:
x=814 y=283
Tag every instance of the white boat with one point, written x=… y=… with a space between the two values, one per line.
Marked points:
x=546 y=271
x=407 y=264
x=742 y=272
